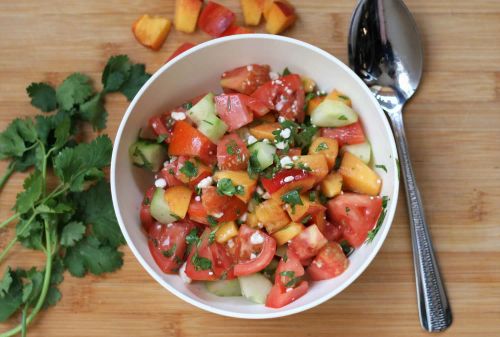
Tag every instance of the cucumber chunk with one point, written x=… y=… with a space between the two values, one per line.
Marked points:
x=255 y=287
x=147 y=154
x=204 y=116
x=224 y=287
x=363 y=151
x=333 y=114
x=265 y=154
x=160 y=209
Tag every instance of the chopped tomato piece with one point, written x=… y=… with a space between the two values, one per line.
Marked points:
x=167 y=244
x=261 y=252
x=233 y=111
x=284 y=179
x=308 y=243
x=258 y=108
x=330 y=262
x=161 y=126
x=187 y=141
x=232 y=153
x=246 y=79
x=222 y=207
x=356 y=213
x=278 y=298
x=182 y=48
x=200 y=262
x=349 y=134
x=168 y=173
x=289 y=270
x=235 y=30
x=196 y=212
x=147 y=220
x=332 y=232
x=215 y=19
x=201 y=171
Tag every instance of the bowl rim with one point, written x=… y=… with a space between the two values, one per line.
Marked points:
x=391 y=209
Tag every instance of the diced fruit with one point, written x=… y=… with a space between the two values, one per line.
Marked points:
x=297 y=212
x=213 y=127
x=160 y=209
x=198 y=213
x=332 y=232
x=327 y=147
x=161 y=127
x=245 y=79
x=338 y=96
x=203 y=108
x=359 y=177
x=313 y=104
x=203 y=114
x=329 y=263
x=255 y=287
x=252 y=11
x=224 y=288
x=215 y=19
x=318 y=165
x=182 y=48
x=287 y=233
x=222 y=207
x=308 y=243
x=186 y=15
x=178 y=198
x=187 y=141
x=167 y=244
x=235 y=30
x=199 y=171
x=331 y=185
x=253 y=256
x=147 y=220
x=259 y=109
x=308 y=84
x=356 y=213
x=333 y=114
x=233 y=110
x=350 y=134
x=264 y=131
x=263 y=154
x=279 y=17
x=252 y=220
x=287 y=180
x=168 y=173
x=232 y=153
x=363 y=151
x=271 y=215
x=148 y=154
x=226 y=231
x=240 y=178
x=151 y=31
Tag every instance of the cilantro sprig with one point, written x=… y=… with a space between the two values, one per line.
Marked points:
x=72 y=221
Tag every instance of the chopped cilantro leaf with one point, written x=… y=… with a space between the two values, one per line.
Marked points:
x=201 y=263
x=170 y=252
x=306 y=219
x=43 y=96
x=161 y=138
x=288 y=273
x=286 y=72
x=382 y=167
x=187 y=105
x=212 y=221
x=292 y=198
x=321 y=147
x=189 y=169
x=342 y=118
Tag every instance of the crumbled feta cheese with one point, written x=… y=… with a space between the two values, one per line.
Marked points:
x=280 y=105
x=281 y=119
x=319 y=264
x=170 y=225
x=253 y=256
x=289 y=289
x=278 y=82
x=251 y=139
x=288 y=91
x=295 y=157
x=266 y=141
x=266 y=195
x=160 y=183
x=197 y=198
x=273 y=76
x=249 y=67
x=230 y=243
x=182 y=273
x=210 y=273
x=259 y=190
x=260 y=224
x=256 y=238
x=285 y=133
x=173 y=158
x=286 y=162
x=205 y=182
x=178 y=116
x=218 y=215
x=244 y=217
x=281 y=145
x=288 y=179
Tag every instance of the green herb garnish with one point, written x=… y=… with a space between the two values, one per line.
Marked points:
x=189 y=169
x=201 y=263
x=170 y=252
x=382 y=167
x=292 y=198
x=321 y=147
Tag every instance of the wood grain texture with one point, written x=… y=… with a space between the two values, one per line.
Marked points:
x=453 y=126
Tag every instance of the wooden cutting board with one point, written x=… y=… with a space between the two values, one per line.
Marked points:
x=453 y=127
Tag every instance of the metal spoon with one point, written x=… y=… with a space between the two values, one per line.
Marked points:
x=386 y=52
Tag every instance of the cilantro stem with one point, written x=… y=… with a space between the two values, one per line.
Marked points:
x=7 y=248
x=9 y=220
x=6 y=175
x=45 y=287
x=23 y=321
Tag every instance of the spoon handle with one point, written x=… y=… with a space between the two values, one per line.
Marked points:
x=434 y=309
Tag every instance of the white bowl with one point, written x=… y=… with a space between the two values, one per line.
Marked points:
x=197 y=71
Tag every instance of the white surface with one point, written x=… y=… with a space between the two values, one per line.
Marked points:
x=197 y=71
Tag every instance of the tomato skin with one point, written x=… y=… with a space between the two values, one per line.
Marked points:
x=233 y=110
x=188 y=141
x=236 y=161
x=168 y=239
x=182 y=48
x=196 y=212
x=168 y=173
x=258 y=108
x=332 y=232
x=308 y=243
x=215 y=19
x=159 y=126
x=349 y=134
x=235 y=30
x=275 y=183
x=357 y=214
x=203 y=171
x=147 y=220
x=277 y=298
x=246 y=79
x=250 y=266
x=215 y=204
x=292 y=264
x=329 y=263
